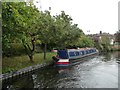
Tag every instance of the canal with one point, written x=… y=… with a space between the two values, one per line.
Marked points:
x=98 y=71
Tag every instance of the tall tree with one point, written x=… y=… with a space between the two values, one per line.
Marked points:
x=19 y=21
x=46 y=29
x=66 y=32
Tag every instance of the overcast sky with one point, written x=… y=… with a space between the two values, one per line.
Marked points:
x=91 y=16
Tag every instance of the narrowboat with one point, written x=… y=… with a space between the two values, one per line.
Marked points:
x=65 y=57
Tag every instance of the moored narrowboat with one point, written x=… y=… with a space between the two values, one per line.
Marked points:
x=64 y=57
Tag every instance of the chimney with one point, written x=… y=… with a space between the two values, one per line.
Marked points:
x=100 y=32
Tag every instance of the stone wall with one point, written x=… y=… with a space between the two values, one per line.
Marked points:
x=23 y=71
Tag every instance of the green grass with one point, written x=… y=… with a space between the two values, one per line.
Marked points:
x=19 y=62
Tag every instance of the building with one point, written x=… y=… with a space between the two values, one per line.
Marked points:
x=97 y=37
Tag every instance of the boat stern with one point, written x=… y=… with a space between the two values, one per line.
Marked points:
x=60 y=62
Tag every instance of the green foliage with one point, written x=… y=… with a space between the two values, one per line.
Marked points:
x=24 y=24
x=85 y=41
x=19 y=25
x=105 y=42
x=15 y=50
x=45 y=27
x=65 y=32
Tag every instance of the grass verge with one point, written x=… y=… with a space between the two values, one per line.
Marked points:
x=19 y=62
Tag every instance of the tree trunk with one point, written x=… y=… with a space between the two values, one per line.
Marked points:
x=31 y=58
x=45 y=48
x=29 y=52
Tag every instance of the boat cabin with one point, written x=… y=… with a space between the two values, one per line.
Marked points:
x=75 y=53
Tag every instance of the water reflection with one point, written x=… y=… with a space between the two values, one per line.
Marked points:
x=10 y=87
x=100 y=71
x=36 y=83
x=107 y=57
x=63 y=70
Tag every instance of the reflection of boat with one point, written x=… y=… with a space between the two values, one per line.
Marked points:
x=63 y=70
x=64 y=57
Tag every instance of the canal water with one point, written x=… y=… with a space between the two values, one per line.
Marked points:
x=98 y=71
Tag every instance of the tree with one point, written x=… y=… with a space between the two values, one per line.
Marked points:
x=19 y=25
x=57 y=30
x=105 y=42
x=66 y=33
x=117 y=36
x=45 y=29
x=85 y=41
x=23 y=23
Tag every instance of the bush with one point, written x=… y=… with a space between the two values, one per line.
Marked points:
x=15 y=50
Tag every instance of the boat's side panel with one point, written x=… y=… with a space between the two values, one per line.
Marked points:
x=75 y=54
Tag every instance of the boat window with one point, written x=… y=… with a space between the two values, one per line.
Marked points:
x=71 y=54
x=83 y=52
x=92 y=50
x=89 y=51
x=80 y=53
x=77 y=53
x=86 y=52
x=62 y=54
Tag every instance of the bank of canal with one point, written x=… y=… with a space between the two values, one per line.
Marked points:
x=98 y=71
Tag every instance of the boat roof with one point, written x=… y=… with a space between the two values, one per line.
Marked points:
x=81 y=49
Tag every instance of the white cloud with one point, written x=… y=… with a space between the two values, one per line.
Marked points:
x=93 y=15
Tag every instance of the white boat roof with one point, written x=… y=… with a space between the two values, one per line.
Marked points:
x=80 y=49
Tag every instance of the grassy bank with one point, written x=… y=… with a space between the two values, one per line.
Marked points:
x=19 y=62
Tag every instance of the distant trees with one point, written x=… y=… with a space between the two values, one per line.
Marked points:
x=105 y=42
x=85 y=41
x=117 y=36
x=102 y=42
x=23 y=23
